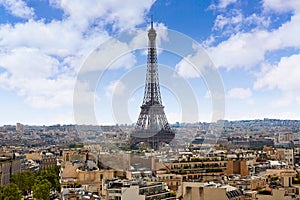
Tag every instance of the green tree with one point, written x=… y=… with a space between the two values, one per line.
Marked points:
x=24 y=181
x=50 y=175
x=41 y=190
x=10 y=192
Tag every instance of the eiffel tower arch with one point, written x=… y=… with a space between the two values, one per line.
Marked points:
x=152 y=127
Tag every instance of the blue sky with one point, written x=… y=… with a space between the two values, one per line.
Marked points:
x=254 y=45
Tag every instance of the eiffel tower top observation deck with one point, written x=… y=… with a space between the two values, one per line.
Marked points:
x=152 y=127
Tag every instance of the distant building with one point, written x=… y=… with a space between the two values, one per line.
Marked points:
x=261 y=142
x=288 y=137
x=19 y=127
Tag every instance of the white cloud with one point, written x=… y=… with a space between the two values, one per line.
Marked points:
x=221 y=20
x=222 y=4
x=186 y=69
x=239 y=93
x=110 y=55
x=251 y=37
x=41 y=92
x=193 y=65
x=34 y=64
x=281 y=5
x=120 y=14
x=40 y=59
x=37 y=77
x=239 y=51
x=225 y=3
x=284 y=76
x=115 y=88
x=249 y=49
x=56 y=38
x=18 y=8
x=234 y=21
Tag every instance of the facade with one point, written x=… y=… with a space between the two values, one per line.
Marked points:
x=253 y=183
x=131 y=190
x=19 y=127
x=48 y=162
x=289 y=156
x=8 y=167
x=192 y=170
x=44 y=160
x=286 y=155
x=173 y=181
x=201 y=191
x=277 y=194
x=237 y=167
x=288 y=137
x=297 y=155
x=78 y=175
x=4 y=173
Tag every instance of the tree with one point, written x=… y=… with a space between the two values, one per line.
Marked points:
x=10 y=192
x=41 y=190
x=50 y=175
x=24 y=181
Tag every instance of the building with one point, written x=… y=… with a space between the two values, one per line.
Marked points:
x=173 y=181
x=237 y=167
x=137 y=190
x=277 y=194
x=288 y=137
x=297 y=155
x=19 y=127
x=83 y=176
x=4 y=173
x=286 y=155
x=44 y=160
x=48 y=161
x=8 y=167
x=284 y=189
x=249 y=184
x=210 y=191
x=195 y=170
x=261 y=142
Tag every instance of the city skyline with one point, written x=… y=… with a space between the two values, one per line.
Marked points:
x=253 y=44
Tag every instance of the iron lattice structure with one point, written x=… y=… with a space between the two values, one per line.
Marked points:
x=152 y=127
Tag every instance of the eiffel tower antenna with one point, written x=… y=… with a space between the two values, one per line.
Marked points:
x=152 y=127
x=151 y=21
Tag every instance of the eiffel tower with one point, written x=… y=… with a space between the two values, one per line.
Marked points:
x=152 y=127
